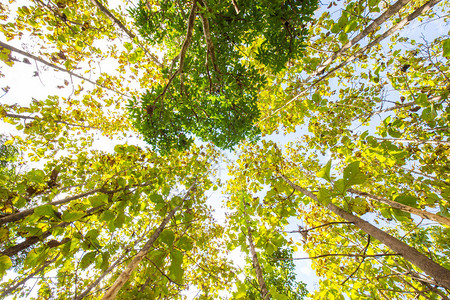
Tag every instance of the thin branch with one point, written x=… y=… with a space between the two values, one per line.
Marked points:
x=414 y=141
x=164 y=274
x=341 y=254
x=360 y=263
x=56 y=121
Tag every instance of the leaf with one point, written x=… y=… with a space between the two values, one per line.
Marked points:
x=5 y=264
x=185 y=243
x=422 y=100
x=98 y=200
x=87 y=259
x=407 y=200
x=70 y=216
x=324 y=196
x=400 y=215
x=44 y=210
x=175 y=270
x=446 y=48
x=156 y=198
x=107 y=215
x=353 y=175
x=325 y=172
x=167 y=237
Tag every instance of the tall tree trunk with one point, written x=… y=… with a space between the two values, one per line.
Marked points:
x=111 y=293
x=419 y=212
x=393 y=9
x=439 y=273
x=16 y=116
x=22 y=214
x=14 y=49
x=116 y=21
x=257 y=267
x=391 y=30
x=10 y=289
x=107 y=271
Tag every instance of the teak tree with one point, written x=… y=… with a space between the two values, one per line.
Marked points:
x=216 y=53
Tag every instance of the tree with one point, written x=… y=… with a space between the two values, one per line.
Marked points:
x=212 y=83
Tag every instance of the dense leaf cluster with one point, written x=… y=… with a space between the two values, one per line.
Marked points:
x=211 y=92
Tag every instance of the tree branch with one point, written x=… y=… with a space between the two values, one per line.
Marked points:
x=13 y=49
x=360 y=263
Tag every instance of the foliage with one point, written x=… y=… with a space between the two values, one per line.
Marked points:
x=280 y=277
x=212 y=92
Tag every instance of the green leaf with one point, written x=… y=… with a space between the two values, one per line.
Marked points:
x=325 y=172
x=87 y=259
x=107 y=215
x=422 y=100
x=44 y=210
x=407 y=200
x=324 y=196
x=353 y=175
x=175 y=270
x=340 y=187
x=120 y=219
x=157 y=257
x=185 y=243
x=400 y=215
x=99 y=200
x=156 y=198
x=167 y=237
x=5 y=264
x=70 y=216
x=446 y=48
x=429 y=113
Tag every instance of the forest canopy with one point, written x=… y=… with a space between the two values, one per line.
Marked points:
x=235 y=149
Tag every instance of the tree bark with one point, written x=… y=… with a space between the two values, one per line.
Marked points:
x=394 y=28
x=107 y=271
x=406 y=208
x=22 y=214
x=16 y=116
x=9 y=290
x=256 y=266
x=372 y=27
x=439 y=273
x=111 y=293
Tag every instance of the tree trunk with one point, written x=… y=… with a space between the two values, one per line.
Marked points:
x=111 y=293
x=116 y=21
x=421 y=213
x=256 y=266
x=14 y=49
x=394 y=28
x=22 y=214
x=9 y=290
x=414 y=141
x=16 y=116
x=439 y=273
x=372 y=27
